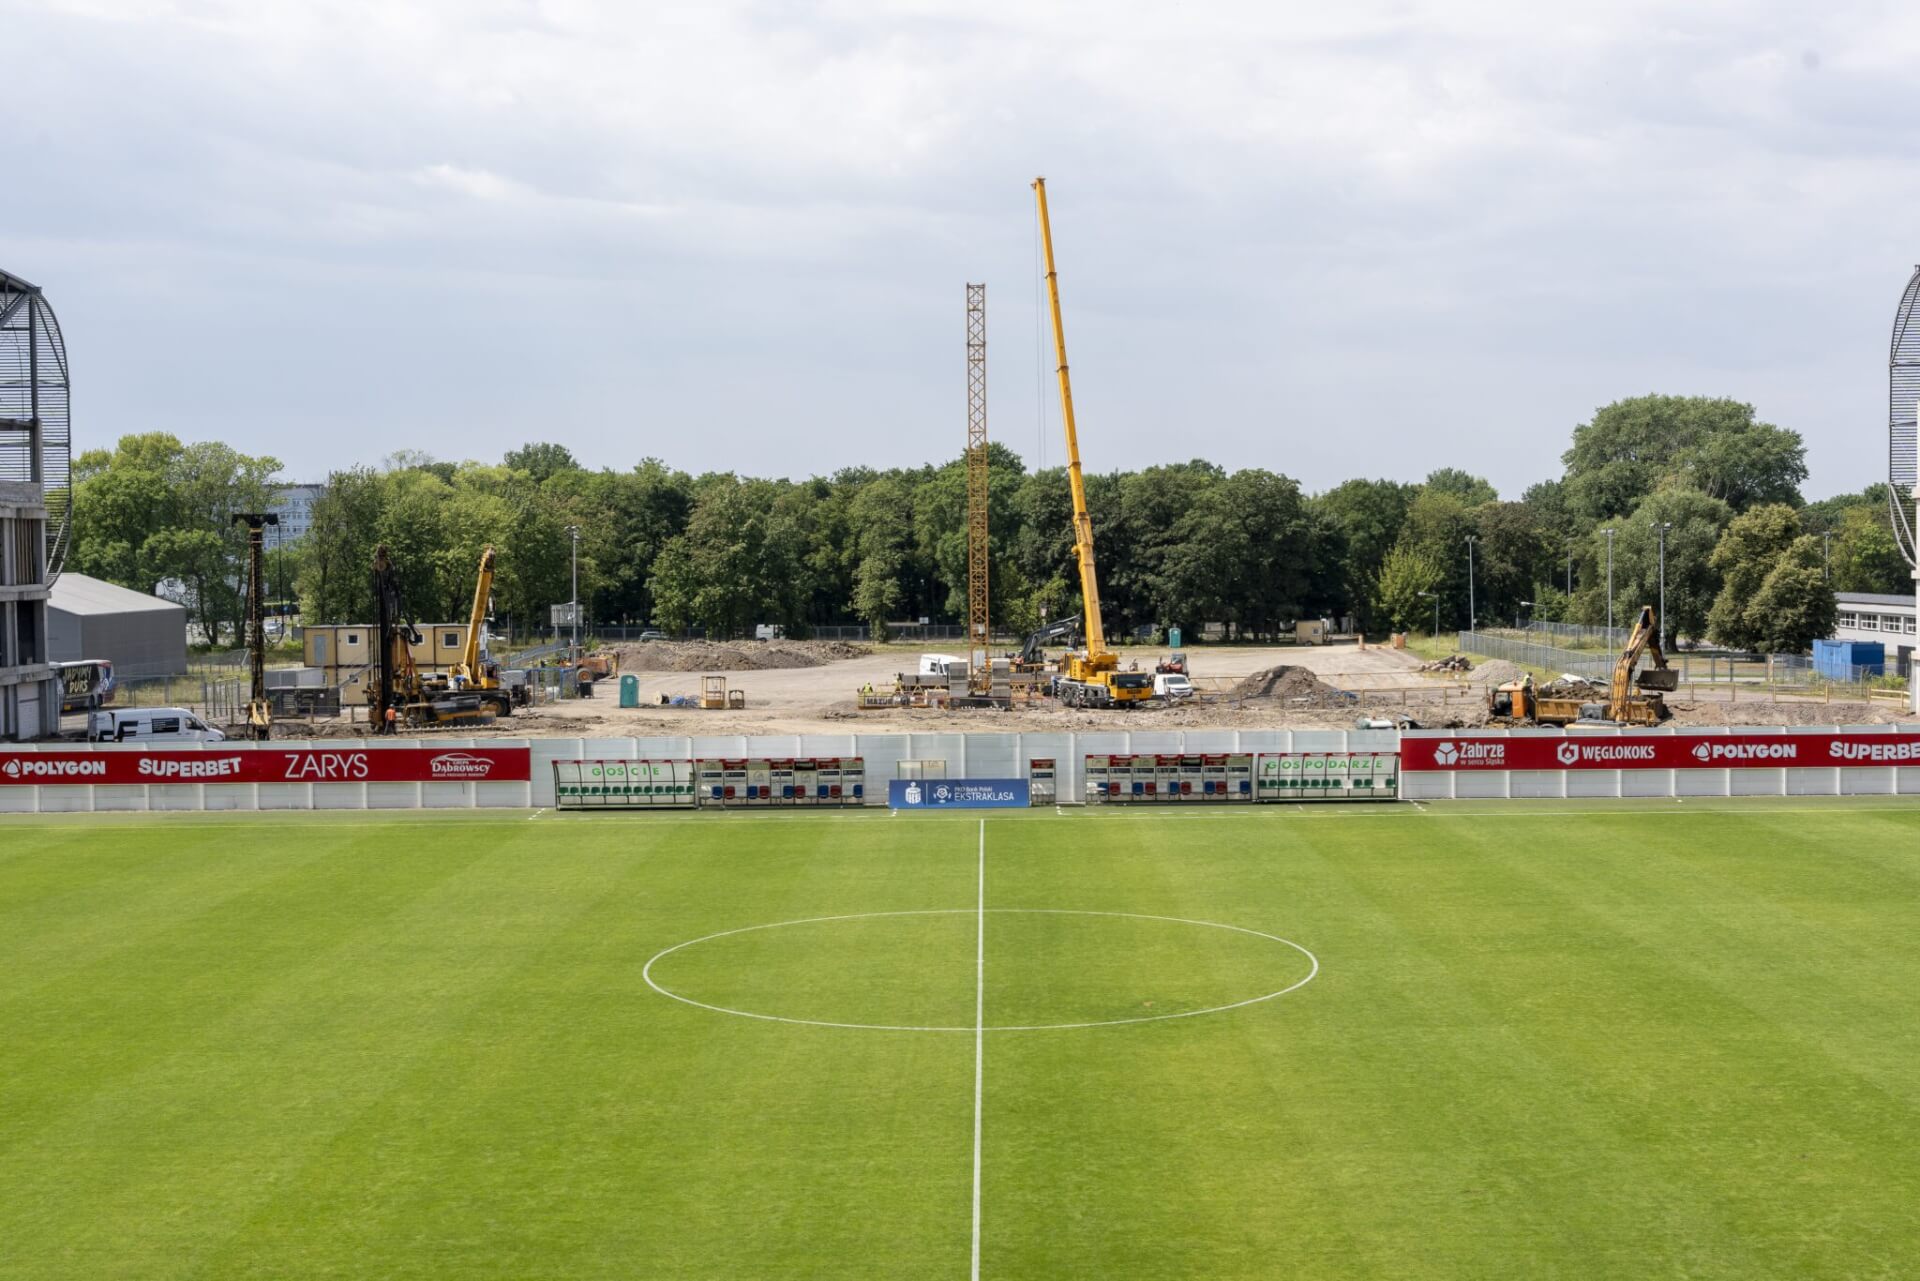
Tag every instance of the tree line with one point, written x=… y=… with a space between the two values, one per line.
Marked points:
x=1748 y=561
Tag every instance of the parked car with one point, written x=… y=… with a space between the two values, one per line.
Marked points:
x=151 y=725
x=652 y=635
x=1172 y=685
x=769 y=632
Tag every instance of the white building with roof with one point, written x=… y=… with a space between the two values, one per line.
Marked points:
x=1874 y=616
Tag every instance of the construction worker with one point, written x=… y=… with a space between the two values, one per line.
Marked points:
x=393 y=719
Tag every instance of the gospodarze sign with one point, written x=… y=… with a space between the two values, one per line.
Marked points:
x=957 y=794
x=1466 y=753
x=268 y=765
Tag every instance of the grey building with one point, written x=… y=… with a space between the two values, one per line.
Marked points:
x=29 y=694
x=293 y=504
x=34 y=506
x=140 y=635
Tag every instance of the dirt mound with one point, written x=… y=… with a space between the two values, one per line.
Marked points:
x=1574 y=687
x=1496 y=671
x=734 y=656
x=1784 y=712
x=1292 y=685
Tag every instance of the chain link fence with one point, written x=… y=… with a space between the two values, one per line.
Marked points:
x=1713 y=675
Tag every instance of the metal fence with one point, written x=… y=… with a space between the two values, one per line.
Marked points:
x=1527 y=654
x=214 y=698
x=1579 y=635
x=1728 y=676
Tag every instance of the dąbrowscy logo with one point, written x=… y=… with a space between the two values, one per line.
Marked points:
x=459 y=765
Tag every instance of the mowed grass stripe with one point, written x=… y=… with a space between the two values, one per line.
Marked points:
x=1543 y=1043
x=272 y=1028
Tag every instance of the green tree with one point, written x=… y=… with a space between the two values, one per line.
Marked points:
x=1406 y=579
x=1696 y=521
x=541 y=460
x=1745 y=556
x=1471 y=490
x=155 y=513
x=1367 y=516
x=1866 y=558
x=1716 y=446
x=1794 y=606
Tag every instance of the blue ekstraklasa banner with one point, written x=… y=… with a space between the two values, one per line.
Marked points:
x=957 y=794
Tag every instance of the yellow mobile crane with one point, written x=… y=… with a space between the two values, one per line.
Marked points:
x=1090 y=677
x=476 y=671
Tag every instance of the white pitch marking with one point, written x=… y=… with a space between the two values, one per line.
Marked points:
x=979 y=1040
x=646 y=972
x=534 y=815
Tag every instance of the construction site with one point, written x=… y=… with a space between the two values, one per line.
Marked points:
x=396 y=675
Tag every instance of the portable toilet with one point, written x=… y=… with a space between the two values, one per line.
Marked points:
x=629 y=691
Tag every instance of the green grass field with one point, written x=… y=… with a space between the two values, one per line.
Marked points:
x=1669 y=1040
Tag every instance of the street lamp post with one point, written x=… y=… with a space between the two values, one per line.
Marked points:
x=1661 y=527
x=1435 y=596
x=1569 y=576
x=573 y=609
x=1472 y=622
x=1826 y=555
x=1525 y=604
x=1609 y=534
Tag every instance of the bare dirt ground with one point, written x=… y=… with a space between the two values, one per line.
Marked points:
x=801 y=687
x=823 y=699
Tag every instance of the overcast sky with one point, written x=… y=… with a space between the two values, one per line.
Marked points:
x=1330 y=240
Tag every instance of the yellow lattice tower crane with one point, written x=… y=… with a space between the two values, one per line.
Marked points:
x=979 y=660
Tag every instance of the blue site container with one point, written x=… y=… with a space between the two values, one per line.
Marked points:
x=1849 y=660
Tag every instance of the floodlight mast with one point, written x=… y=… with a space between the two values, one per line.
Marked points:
x=1903 y=443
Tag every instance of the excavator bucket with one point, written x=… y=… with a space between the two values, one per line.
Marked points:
x=1660 y=678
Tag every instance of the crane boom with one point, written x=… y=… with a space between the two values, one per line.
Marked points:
x=1082 y=523
x=477 y=620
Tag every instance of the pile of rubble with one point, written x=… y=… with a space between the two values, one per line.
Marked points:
x=734 y=656
x=1294 y=686
x=1451 y=663
x=1571 y=686
x=1497 y=671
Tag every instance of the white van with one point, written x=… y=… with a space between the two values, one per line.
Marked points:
x=769 y=632
x=151 y=725
x=937 y=664
x=1172 y=685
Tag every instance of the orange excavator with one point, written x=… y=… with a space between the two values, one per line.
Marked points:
x=1633 y=697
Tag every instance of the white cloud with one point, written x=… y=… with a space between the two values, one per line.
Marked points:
x=1452 y=229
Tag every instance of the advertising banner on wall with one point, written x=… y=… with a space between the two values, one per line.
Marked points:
x=958 y=794
x=1474 y=753
x=267 y=765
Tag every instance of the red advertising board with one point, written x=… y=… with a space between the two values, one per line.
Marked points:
x=268 y=765
x=1474 y=753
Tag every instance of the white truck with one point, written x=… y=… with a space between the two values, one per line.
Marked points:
x=151 y=725
x=1171 y=685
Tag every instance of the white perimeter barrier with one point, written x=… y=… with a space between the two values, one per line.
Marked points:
x=1741 y=760
x=358 y=774
x=361 y=775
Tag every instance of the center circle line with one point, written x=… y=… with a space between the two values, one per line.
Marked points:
x=646 y=971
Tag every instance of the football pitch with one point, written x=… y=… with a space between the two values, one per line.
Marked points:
x=1477 y=1040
